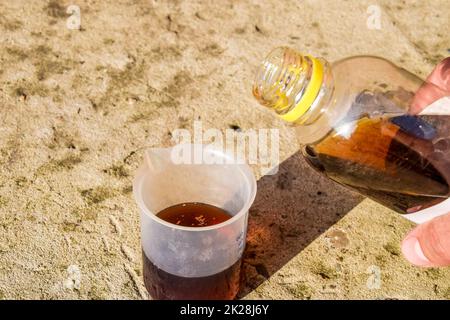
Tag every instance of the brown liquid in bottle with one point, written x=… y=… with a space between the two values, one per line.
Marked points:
x=391 y=163
x=221 y=286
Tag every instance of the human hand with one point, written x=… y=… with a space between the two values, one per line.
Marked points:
x=428 y=245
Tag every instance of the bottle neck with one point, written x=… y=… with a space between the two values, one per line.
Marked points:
x=297 y=87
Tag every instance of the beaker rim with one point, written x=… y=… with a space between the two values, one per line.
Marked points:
x=244 y=169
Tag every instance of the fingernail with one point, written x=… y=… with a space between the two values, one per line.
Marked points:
x=413 y=252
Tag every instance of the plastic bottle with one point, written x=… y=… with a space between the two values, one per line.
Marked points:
x=361 y=124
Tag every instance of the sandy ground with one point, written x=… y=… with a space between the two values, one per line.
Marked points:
x=79 y=106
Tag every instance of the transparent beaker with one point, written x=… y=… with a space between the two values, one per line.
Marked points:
x=193 y=262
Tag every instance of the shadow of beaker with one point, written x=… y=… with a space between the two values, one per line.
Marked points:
x=291 y=209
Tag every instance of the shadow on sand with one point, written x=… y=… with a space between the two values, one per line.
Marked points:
x=291 y=209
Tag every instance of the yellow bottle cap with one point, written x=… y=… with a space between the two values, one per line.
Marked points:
x=310 y=94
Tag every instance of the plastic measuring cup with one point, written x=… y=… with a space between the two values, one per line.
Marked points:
x=193 y=262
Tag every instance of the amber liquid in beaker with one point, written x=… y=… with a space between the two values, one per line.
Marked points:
x=402 y=162
x=220 y=286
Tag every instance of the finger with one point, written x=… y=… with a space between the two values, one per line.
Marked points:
x=428 y=245
x=437 y=85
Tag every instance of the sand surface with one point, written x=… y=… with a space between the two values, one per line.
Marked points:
x=79 y=106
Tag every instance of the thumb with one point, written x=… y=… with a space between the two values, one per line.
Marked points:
x=428 y=245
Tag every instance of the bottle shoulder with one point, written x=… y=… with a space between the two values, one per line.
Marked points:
x=363 y=59
x=372 y=73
